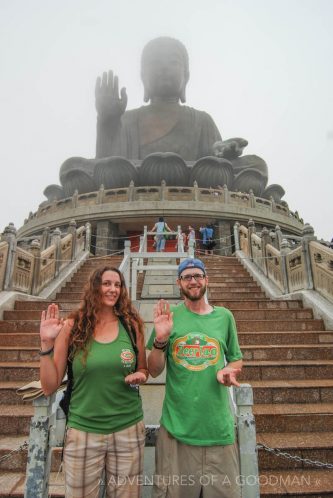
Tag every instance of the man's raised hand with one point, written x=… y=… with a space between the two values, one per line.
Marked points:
x=163 y=320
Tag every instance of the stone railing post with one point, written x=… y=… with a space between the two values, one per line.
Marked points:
x=45 y=239
x=126 y=272
x=273 y=204
x=236 y=236
x=191 y=248
x=252 y=199
x=36 y=252
x=284 y=251
x=88 y=237
x=226 y=194
x=131 y=191
x=307 y=236
x=75 y=198
x=278 y=234
x=180 y=242
x=162 y=190
x=265 y=239
x=248 y=456
x=100 y=195
x=251 y=230
x=145 y=230
x=72 y=230
x=195 y=191
x=134 y=278
x=39 y=452
x=9 y=236
x=56 y=240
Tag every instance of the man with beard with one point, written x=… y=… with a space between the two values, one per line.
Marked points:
x=196 y=453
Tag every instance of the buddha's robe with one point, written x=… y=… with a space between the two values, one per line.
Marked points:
x=159 y=128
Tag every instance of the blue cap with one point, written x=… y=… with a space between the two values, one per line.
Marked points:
x=191 y=263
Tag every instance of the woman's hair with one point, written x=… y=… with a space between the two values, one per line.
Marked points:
x=86 y=316
x=160 y=219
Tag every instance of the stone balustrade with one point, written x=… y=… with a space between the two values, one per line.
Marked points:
x=213 y=195
x=307 y=266
x=31 y=270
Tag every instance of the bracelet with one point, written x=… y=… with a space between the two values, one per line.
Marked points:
x=160 y=345
x=45 y=353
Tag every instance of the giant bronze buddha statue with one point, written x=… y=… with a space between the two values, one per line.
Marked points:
x=162 y=140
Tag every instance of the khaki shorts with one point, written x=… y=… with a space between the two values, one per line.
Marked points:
x=187 y=471
x=86 y=455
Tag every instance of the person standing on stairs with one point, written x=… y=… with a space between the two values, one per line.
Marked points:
x=104 y=338
x=196 y=452
x=160 y=228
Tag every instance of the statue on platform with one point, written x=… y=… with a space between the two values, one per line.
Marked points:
x=164 y=125
x=163 y=140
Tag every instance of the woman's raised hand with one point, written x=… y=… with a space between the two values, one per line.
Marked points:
x=163 y=320
x=50 y=325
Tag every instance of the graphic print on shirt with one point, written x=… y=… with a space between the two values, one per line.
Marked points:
x=127 y=357
x=196 y=351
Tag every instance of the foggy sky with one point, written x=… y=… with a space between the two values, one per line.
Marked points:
x=261 y=68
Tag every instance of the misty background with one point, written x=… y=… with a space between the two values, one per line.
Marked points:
x=261 y=68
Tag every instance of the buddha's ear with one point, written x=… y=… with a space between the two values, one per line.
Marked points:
x=146 y=97
x=182 y=95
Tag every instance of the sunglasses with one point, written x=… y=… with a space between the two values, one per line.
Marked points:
x=196 y=276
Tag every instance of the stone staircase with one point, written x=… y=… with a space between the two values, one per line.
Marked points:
x=288 y=360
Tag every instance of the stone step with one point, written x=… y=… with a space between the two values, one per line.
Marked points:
x=242 y=325
x=250 y=314
x=292 y=391
x=288 y=352
x=15 y=371
x=278 y=325
x=22 y=315
x=15 y=419
x=230 y=304
x=19 y=353
x=230 y=279
x=273 y=314
x=296 y=483
x=20 y=339
x=315 y=446
x=235 y=295
x=301 y=417
x=257 y=304
x=287 y=369
x=8 y=394
x=214 y=286
x=285 y=337
x=42 y=305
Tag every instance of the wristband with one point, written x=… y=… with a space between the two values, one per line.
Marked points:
x=160 y=345
x=46 y=353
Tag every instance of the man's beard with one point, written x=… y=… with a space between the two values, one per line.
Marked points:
x=195 y=297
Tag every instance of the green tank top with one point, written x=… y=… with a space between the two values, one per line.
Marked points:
x=101 y=402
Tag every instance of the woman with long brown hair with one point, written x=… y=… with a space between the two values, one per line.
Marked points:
x=104 y=341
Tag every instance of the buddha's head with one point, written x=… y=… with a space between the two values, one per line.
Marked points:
x=164 y=69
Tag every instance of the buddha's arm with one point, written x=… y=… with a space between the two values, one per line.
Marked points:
x=110 y=108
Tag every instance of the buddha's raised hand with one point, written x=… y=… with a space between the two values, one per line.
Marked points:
x=109 y=104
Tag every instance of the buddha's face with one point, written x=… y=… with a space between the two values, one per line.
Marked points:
x=163 y=72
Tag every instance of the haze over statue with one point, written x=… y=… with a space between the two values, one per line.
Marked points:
x=161 y=140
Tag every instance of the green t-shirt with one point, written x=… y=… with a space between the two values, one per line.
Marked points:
x=196 y=408
x=101 y=402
